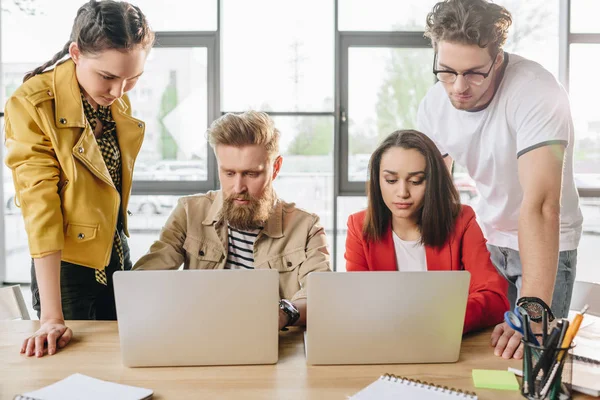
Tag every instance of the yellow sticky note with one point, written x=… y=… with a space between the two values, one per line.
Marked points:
x=493 y=379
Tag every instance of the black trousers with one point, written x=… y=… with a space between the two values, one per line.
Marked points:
x=82 y=297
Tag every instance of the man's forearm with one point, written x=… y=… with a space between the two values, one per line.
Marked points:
x=539 y=231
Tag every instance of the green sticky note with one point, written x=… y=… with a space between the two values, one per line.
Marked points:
x=493 y=379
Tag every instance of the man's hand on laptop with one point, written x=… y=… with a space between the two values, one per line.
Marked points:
x=507 y=342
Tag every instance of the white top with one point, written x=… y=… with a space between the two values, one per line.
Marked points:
x=530 y=109
x=410 y=254
x=241 y=248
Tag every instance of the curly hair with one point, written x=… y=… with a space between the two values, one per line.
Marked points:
x=469 y=22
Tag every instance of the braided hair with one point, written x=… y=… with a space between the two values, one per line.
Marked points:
x=103 y=25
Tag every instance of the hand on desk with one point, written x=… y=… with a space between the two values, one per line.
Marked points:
x=507 y=342
x=54 y=332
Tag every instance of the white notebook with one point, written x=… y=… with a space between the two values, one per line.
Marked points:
x=78 y=386
x=391 y=387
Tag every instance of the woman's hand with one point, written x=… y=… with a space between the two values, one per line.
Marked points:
x=52 y=332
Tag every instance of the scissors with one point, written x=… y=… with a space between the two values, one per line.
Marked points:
x=519 y=323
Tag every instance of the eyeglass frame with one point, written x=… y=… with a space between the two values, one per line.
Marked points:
x=464 y=74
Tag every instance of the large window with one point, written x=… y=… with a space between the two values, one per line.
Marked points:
x=279 y=59
x=172 y=100
x=333 y=93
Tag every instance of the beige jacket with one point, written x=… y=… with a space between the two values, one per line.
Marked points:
x=195 y=235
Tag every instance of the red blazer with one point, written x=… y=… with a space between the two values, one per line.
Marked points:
x=465 y=250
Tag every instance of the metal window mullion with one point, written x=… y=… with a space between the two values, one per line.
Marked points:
x=336 y=132
x=291 y=113
x=3 y=260
x=564 y=50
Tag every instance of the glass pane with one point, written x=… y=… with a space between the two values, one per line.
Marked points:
x=587 y=153
x=306 y=176
x=534 y=32
x=385 y=87
x=584 y=16
x=171 y=99
x=149 y=214
x=188 y=15
x=383 y=15
x=17 y=260
x=347 y=205
x=585 y=114
x=281 y=59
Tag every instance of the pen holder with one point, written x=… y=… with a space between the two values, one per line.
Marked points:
x=554 y=367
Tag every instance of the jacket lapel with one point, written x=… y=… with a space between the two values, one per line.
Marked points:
x=439 y=259
x=87 y=151
x=383 y=254
x=69 y=114
x=130 y=135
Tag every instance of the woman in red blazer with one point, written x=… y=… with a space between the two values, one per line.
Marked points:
x=414 y=221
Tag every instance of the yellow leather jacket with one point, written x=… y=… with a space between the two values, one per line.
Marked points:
x=62 y=185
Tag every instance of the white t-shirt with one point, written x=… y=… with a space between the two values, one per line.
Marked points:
x=530 y=109
x=410 y=254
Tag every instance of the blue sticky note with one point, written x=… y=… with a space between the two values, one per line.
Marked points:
x=494 y=379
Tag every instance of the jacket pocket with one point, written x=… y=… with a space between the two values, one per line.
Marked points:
x=288 y=262
x=82 y=232
x=202 y=254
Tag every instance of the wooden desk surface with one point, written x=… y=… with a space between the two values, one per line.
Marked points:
x=95 y=352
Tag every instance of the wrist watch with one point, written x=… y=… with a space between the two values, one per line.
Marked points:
x=290 y=310
x=535 y=308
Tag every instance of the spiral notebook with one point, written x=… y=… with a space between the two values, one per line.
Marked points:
x=389 y=387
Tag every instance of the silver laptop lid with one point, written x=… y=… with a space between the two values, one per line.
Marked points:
x=385 y=317
x=200 y=317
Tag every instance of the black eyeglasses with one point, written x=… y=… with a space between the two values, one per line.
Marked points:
x=473 y=77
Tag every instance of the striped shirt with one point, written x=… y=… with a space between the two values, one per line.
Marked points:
x=241 y=248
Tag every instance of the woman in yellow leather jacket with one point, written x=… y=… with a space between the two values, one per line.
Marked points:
x=71 y=144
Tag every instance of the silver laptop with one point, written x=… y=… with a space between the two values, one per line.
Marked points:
x=200 y=317
x=385 y=317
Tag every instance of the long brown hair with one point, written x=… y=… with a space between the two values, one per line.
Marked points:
x=103 y=25
x=441 y=204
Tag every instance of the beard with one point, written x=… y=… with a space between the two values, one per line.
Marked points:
x=249 y=216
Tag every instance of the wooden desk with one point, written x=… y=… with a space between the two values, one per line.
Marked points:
x=95 y=352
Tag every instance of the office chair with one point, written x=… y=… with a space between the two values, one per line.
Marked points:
x=12 y=304
x=586 y=293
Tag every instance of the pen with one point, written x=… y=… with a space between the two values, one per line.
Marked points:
x=544 y=327
x=572 y=331
x=556 y=352
x=565 y=344
x=545 y=360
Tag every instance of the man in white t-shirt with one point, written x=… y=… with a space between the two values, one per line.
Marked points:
x=507 y=121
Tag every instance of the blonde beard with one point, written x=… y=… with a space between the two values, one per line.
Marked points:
x=250 y=216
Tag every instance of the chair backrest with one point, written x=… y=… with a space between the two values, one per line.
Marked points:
x=586 y=293
x=12 y=304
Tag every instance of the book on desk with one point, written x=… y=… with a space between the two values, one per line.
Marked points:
x=79 y=386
